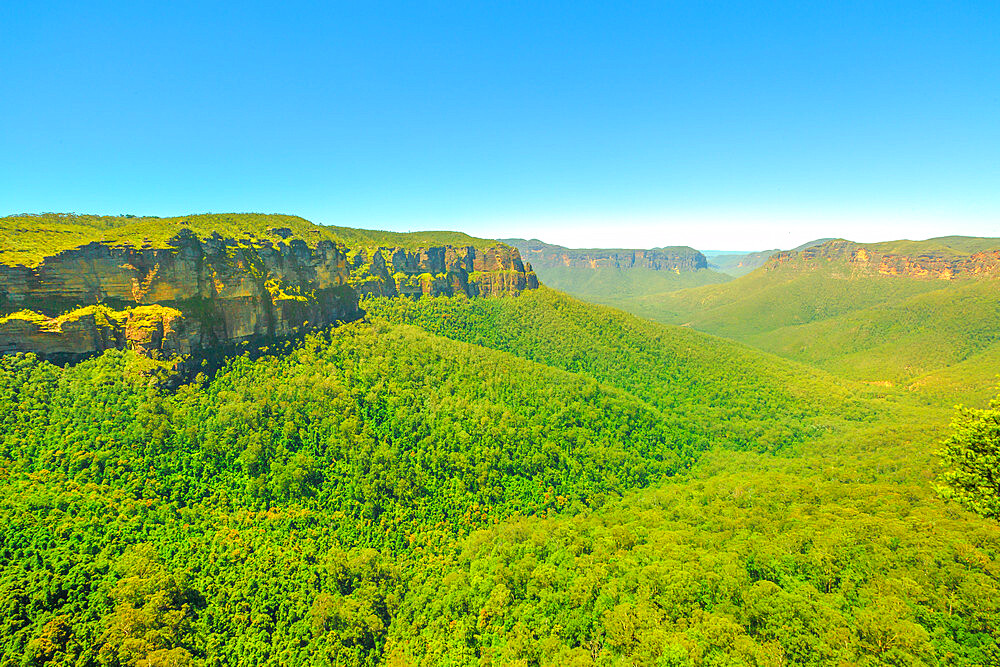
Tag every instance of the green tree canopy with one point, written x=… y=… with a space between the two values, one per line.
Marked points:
x=971 y=457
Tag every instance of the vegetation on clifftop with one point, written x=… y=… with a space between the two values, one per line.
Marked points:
x=28 y=239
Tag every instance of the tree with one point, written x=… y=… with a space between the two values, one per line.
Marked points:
x=971 y=457
x=151 y=617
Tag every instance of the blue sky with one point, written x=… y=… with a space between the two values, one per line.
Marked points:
x=714 y=124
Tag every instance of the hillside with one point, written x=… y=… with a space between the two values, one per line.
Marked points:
x=840 y=555
x=429 y=500
x=900 y=340
x=777 y=529
x=777 y=296
x=884 y=312
x=337 y=463
x=749 y=400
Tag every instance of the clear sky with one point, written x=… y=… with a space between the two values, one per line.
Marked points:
x=720 y=125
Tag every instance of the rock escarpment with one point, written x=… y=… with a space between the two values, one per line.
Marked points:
x=191 y=293
x=443 y=270
x=740 y=264
x=674 y=258
x=848 y=259
x=149 y=330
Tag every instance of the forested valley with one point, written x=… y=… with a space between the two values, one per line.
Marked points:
x=506 y=480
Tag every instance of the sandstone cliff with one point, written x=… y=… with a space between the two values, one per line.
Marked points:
x=674 y=258
x=443 y=270
x=740 y=264
x=921 y=260
x=190 y=293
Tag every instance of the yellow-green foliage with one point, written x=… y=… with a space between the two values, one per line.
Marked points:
x=28 y=239
x=280 y=292
x=973 y=381
x=103 y=316
x=490 y=481
x=752 y=392
x=148 y=314
x=768 y=299
x=971 y=458
x=25 y=316
x=899 y=340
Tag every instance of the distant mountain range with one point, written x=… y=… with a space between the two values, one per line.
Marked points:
x=611 y=275
x=910 y=312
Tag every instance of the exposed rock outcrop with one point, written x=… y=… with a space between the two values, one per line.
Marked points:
x=741 y=264
x=150 y=330
x=440 y=271
x=198 y=293
x=674 y=258
x=849 y=259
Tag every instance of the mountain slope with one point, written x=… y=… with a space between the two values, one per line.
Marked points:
x=885 y=312
x=346 y=461
x=899 y=340
x=381 y=493
x=812 y=539
x=747 y=399
x=769 y=299
x=289 y=488
x=750 y=560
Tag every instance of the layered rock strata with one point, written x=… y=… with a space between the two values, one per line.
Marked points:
x=196 y=293
x=853 y=259
x=675 y=258
x=444 y=270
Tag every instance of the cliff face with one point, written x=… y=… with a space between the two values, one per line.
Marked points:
x=196 y=293
x=444 y=270
x=676 y=258
x=149 y=330
x=849 y=259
